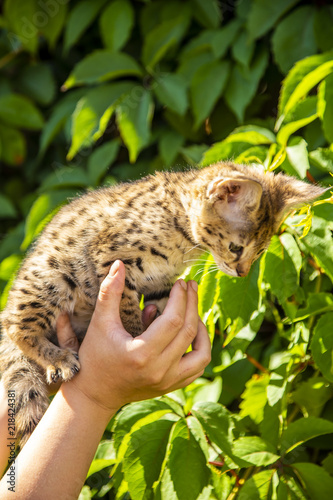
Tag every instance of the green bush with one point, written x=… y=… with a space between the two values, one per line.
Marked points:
x=96 y=92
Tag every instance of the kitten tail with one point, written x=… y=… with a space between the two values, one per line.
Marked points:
x=25 y=384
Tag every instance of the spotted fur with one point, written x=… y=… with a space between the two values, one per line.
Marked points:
x=154 y=225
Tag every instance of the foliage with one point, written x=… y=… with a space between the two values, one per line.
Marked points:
x=95 y=92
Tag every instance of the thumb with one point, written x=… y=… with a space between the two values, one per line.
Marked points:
x=111 y=290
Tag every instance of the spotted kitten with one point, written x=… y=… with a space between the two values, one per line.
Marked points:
x=153 y=225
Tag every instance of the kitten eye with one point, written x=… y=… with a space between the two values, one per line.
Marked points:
x=235 y=248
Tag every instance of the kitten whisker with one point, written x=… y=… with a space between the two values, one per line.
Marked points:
x=198 y=246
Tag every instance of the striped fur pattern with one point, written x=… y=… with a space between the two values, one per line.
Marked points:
x=156 y=226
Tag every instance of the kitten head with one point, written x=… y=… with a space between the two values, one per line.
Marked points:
x=241 y=210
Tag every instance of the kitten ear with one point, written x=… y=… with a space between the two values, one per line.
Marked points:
x=235 y=197
x=291 y=193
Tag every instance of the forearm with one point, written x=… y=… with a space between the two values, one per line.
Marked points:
x=4 y=450
x=54 y=462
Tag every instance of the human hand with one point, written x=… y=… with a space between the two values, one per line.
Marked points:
x=67 y=338
x=117 y=369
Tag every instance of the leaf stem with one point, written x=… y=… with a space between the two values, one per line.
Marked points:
x=256 y=363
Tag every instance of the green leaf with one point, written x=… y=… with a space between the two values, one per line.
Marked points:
x=132 y=413
x=169 y=145
x=203 y=391
x=294 y=38
x=186 y=465
x=237 y=142
x=255 y=451
x=243 y=49
x=134 y=119
x=7 y=209
x=302 y=114
x=322 y=158
x=100 y=66
x=116 y=23
x=216 y=41
x=191 y=65
x=12 y=145
x=251 y=134
x=58 y=118
x=239 y=299
x=308 y=82
x=282 y=266
x=217 y=424
x=206 y=87
x=11 y=242
x=207 y=12
x=193 y=154
x=257 y=486
x=328 y=463
x=323 y=27
x=40 y=212
x=9 y=266
x=99 y=464
x=254 y=398
x=57 y=14
x=80 y=17
x=171 y=91
x=263 y=16
x=93 y=112
x=302 y=70
x=164 y=36
x=288 y=489
x=145 y=454
x=208 y=284
x=317 y=303
x=255 y=154
x=38 y=83
x=312 y=395
x=65 y=177
x=318 y=483
x=322 y=346
x=19 y=111
x=243 y=83
x=325 y=106
x=100 y=160
x=296 y=162
x=300 y=431
x=319 y=242
x=21 y=18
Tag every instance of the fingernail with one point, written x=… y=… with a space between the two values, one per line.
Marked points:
x=194 y=285
x=183 y=284
x=114 y=268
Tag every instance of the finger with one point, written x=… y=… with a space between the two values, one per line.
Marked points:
x=200 y=356
x=167 y=326
x=110 y=293
x=148 y=315
x=190 y=327
x=65 y=333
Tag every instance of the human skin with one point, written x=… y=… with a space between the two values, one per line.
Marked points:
x=116 y=369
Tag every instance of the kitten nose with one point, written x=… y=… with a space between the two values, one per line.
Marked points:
x=240 y=272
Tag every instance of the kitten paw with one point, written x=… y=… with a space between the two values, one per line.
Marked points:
x=64 y=369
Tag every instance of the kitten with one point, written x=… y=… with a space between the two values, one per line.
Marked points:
x=230 y=210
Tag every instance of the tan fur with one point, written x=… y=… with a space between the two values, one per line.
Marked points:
x=153 y=225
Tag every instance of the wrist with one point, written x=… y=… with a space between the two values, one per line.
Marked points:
x=78 y=398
